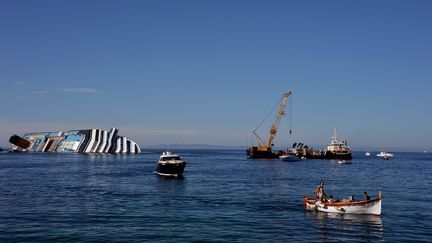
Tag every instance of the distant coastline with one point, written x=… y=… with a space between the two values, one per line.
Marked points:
x=194 y=146
x=355 y=148
x=358 y=148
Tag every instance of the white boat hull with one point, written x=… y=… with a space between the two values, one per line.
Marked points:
x=289 y=158
x=373 y=208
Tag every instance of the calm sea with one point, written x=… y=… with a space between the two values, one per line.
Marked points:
x=222 y=197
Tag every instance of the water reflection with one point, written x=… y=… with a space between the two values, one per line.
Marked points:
x=347 y=227
x=170 y=184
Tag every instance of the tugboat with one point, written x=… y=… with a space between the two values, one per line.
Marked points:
x=264 y=149
x=170 y=165
x=337 y=149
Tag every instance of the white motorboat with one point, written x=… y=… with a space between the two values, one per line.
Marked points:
x=289 y=158
x=170 y=165
x=372 y=206
x=385 y=154
x=368 y=154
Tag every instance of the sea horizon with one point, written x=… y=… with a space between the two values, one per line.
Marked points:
x=276 y=148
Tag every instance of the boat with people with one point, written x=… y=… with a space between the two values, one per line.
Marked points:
x=385 y=155
x=170 y=165
x=337 y=149
x=345 y=206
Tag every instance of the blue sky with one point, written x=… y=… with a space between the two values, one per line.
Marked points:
x=209 y=71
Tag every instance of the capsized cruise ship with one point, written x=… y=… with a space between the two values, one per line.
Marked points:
x=78 y=141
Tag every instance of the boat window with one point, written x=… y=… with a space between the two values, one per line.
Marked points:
x=171 y=158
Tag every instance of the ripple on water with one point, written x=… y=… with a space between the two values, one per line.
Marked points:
x=223 y=197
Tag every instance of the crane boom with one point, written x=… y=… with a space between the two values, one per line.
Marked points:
x=267 y=146
x=281 y=113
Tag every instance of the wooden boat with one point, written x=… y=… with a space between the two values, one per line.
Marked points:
x=372 y=206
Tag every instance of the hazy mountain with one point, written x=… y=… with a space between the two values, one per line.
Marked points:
x=355 y=148
x=193 y=146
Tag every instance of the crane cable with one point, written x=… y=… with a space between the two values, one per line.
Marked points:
x=274 y=107
x=290 y=115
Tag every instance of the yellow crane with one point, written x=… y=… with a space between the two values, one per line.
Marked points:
x=267 y=146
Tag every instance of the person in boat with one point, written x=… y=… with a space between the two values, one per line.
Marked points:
x=366 y=196
x=330 y=199
x=319 y=192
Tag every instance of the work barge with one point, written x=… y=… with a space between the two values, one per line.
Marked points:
x=265 y=148
x=336 y=149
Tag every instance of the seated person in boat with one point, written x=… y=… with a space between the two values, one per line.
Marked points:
x=366 y=196
x=330 y=199
x=319 y=191
x=349 y=199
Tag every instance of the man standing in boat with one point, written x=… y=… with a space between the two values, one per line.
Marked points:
x=319 y=191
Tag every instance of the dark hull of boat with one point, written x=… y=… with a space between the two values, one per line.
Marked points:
x=254 y=153
x=330 y=155
x=170 y=169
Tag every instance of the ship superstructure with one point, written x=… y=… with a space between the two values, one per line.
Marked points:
x=337 y=149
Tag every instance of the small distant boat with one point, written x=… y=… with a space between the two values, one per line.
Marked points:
x=170 y=165
x=385 y=155
x=289 y=158
x=368 y=154
x=343 y=161
x=372 y=206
